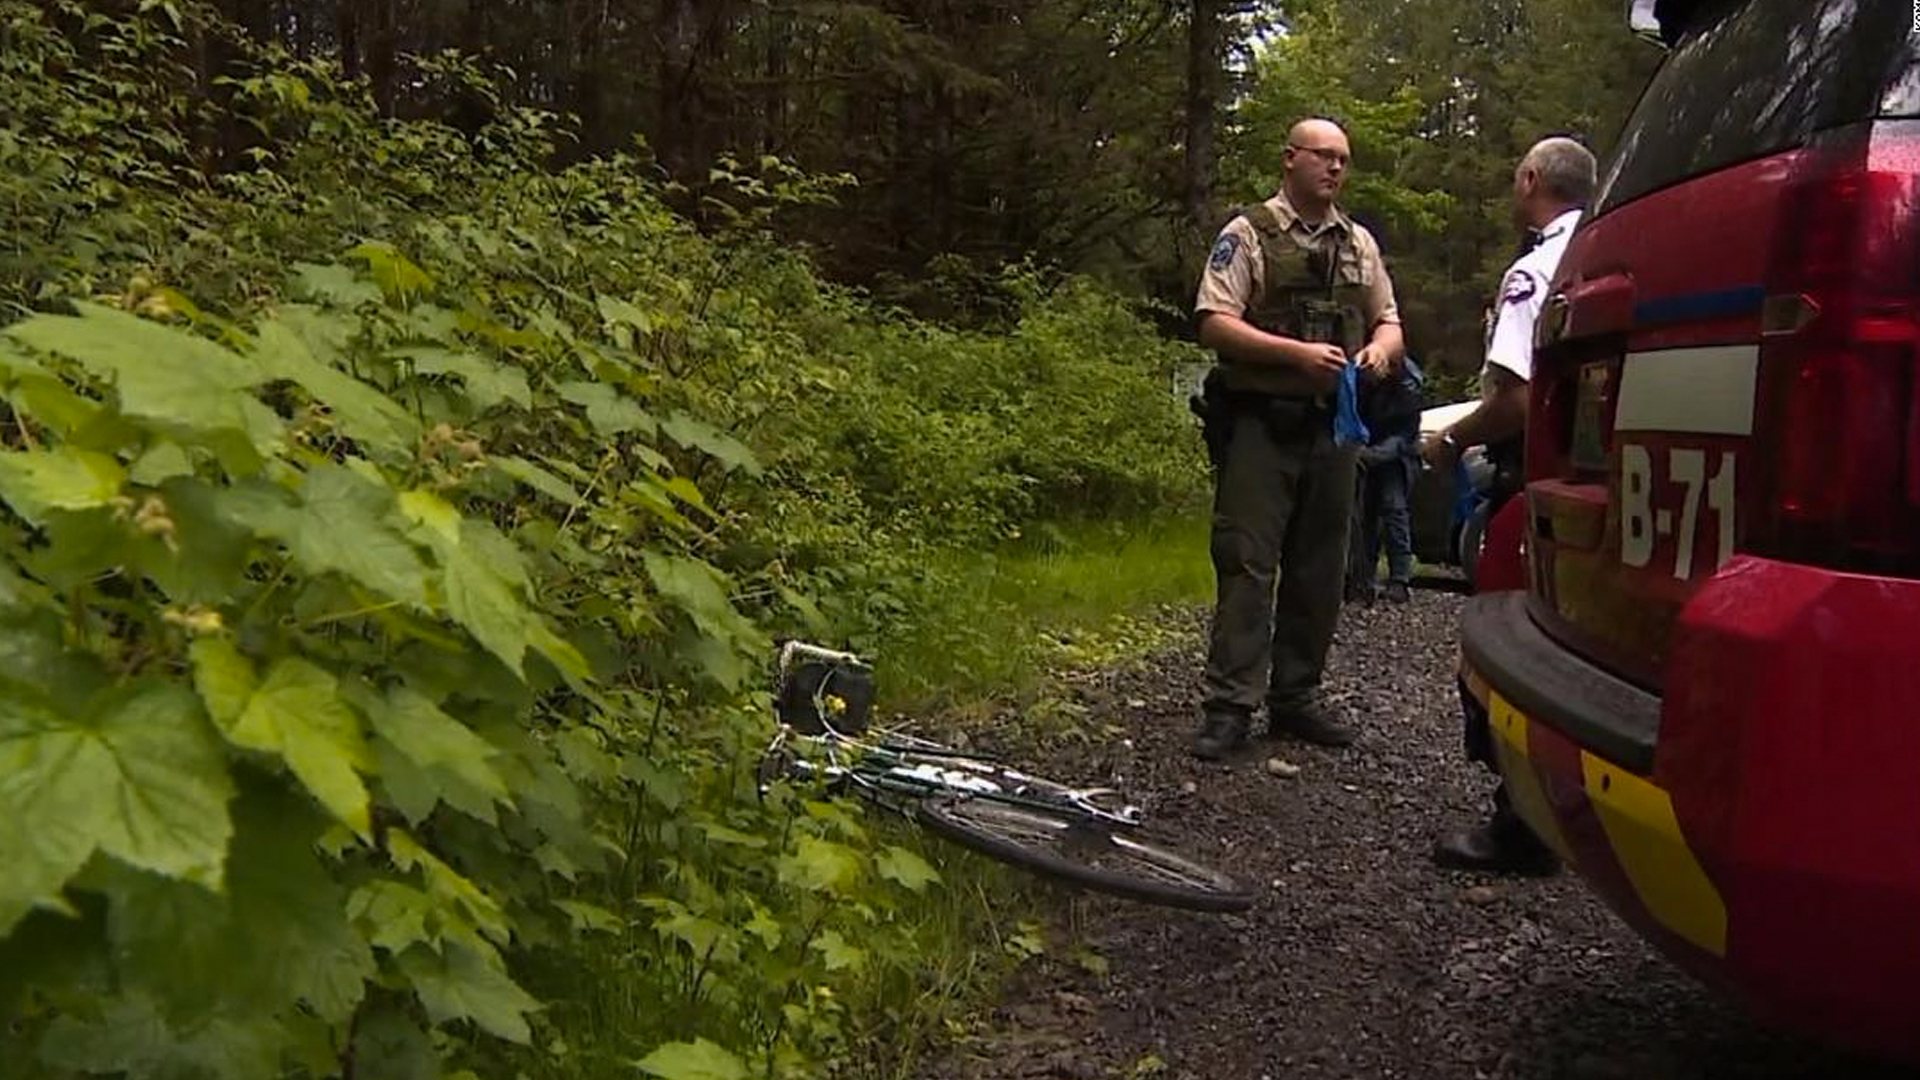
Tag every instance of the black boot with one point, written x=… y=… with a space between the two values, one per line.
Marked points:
x=1397 y=592
x=1222 y=732
x=1502 y=845
x=1308 y=722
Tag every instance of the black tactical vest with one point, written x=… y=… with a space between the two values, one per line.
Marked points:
x=1313 y=290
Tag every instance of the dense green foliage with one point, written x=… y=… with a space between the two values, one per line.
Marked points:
x=396 y=529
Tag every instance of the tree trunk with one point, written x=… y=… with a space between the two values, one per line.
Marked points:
x=473 y=28
x=588 y=81
x=346 y=27
x=773 y=104
x=382 y=49
x=679 y=107
x=297 y=24
x=1204 y=74
x=470 y=112
x=254 y=16
x=940 y=194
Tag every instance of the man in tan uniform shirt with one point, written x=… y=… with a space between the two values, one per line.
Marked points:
x=1293 y=290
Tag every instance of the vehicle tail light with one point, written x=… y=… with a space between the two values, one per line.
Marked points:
x=1839 y=409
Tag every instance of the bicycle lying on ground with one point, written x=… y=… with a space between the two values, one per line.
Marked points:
x=1086 y=837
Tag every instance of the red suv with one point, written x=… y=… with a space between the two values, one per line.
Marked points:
x=1706 y=696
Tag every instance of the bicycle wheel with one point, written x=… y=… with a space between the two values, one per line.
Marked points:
x=1083 y=853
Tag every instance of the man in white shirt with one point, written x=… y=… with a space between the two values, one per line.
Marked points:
x=1551 y=188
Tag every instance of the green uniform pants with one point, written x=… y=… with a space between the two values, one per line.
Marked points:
x=1282 y=500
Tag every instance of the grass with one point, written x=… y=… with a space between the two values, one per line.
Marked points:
x=990 y=627
x=994 y=623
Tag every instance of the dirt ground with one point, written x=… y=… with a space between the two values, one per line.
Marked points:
x=1361 y=959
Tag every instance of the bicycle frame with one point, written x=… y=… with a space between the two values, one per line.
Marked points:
x=1086 y=837
x=928 y=770
x=904 y=766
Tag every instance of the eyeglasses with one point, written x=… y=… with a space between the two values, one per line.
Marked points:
x=1331 y=157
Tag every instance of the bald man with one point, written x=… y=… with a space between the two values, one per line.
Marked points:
x=1292 y=293
x=1551 y=188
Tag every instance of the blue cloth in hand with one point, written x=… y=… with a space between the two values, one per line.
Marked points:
x=1348 y=428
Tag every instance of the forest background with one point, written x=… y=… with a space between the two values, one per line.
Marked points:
x=1108 y=139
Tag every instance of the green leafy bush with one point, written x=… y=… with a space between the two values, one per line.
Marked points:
x=396 y=529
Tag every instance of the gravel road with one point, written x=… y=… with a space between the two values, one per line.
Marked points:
x=1361 y=960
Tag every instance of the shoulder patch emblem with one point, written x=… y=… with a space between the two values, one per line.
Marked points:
x=1519 y=288
x=1223 y=252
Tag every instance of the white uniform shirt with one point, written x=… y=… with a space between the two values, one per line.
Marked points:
x=1523 y=291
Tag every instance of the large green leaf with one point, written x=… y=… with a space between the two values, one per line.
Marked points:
x=458 y=983
x=83 y=545
x=335 y=284
x=166 y=802
x=279 y=935
x=162 y=461
x=704 y=938
x=721 y=638
x=449 y=762
x=132 y=1038
x=210 y=552
x=35 y=482
x=699 y=590
x=488 y=384
x=697 y=435
x=140 y=778
x=363 y=413
x=286 y=902
x=588 y=918
x=436 y=515
x=618 y=312
x=818 y=865
x=223 y=677
x=610 y=412
x=341 y=522
x=478 y=597
x=458 y=900
x=838 y=953
x=899 y=865
x=478 y=600
x=494 y=551
x=19 y=594
x=393 y=915
x=162 y=374
x=697 y=1060
x=298 y=715
x=538 y=479
x=35 y=666
x=398 y=276
x=48 y=784
x=389 y=1045
x=54 y=403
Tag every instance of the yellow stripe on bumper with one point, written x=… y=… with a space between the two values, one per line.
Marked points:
x=1645 y=835
x=1510 y=733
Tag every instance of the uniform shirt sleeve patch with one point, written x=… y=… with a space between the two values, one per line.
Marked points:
x=1519 y=288
x=1224 y=251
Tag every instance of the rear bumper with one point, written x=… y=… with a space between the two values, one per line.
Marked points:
x=1761 y=823
x=1542 y=678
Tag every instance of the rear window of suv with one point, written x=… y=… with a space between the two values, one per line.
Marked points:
x=1757 y=77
